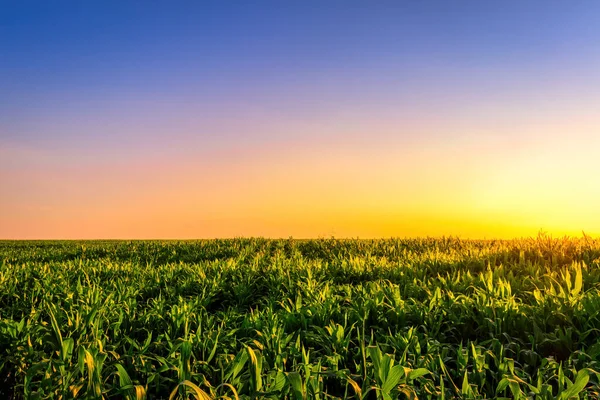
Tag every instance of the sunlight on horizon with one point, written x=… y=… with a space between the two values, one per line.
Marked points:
x=402 y=121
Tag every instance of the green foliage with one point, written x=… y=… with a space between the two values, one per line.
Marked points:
x=300 y=319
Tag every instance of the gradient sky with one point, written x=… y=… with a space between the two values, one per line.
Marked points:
x=299 y=118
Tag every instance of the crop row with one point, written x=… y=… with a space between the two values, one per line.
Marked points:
x=317 y=319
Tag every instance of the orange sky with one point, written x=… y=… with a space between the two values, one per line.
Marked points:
x=480 y=186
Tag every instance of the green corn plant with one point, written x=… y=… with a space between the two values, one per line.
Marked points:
x=127 y=389
x=91 y=362
x=464 y=318
x=390 y=380
x=255 y=364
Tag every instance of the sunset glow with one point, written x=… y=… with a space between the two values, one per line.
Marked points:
x=123 y=121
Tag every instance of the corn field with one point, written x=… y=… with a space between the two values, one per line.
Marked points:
x=300 y=319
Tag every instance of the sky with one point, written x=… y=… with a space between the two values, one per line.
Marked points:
x=204 y=119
